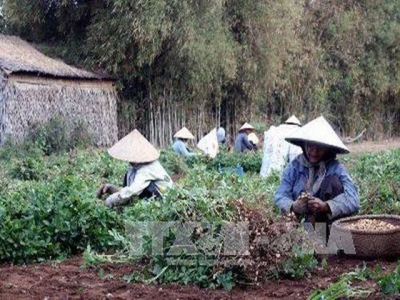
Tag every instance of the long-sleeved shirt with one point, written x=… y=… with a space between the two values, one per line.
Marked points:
x=181 y=149
x=294 y=181
x=242 y=143
x=144 y=175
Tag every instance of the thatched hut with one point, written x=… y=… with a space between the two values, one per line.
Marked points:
x=35 y=88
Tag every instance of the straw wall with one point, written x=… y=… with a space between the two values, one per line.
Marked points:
x=29 y=100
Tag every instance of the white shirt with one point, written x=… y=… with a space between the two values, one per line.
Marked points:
x=277 y=152
x=144 y=175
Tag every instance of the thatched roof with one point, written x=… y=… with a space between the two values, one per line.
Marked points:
x=18 y=56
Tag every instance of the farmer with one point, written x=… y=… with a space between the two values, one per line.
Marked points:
x=179 y=146
x=145 y=178
x=332 y=193
x=221 y=137
x=242 y=142
x=277 y=152
x=209 y=144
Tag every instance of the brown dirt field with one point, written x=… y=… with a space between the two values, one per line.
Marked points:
x=68 y=280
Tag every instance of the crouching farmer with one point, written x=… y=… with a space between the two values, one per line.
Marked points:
x=316 y=185
x=145 y=178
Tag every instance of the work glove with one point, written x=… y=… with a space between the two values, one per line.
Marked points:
x=316 y=205
x=300 y=205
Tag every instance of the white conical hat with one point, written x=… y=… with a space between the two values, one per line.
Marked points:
x=318 y=131
x=134 y=148
x=184 y=133
x=293 y=120
x=246 y=126
x=253 y=137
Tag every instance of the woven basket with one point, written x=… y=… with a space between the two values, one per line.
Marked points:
x=371 y=243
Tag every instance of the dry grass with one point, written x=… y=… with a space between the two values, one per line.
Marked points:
x=17 y=55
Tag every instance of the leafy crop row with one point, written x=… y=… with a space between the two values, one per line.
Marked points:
x=48 y=210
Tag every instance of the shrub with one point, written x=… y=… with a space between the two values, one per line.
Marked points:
x=28 y=169
x=51 y=137
x=56 y=217
x=10 y=150
x=172 y=163
x=80 y=136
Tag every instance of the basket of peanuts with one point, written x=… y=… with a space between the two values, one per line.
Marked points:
x=372 y=235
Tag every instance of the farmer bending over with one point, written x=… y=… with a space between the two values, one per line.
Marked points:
x=180 y=147
x=277 y=152
x=315 y=185
x=145 y=178
x=242 y=142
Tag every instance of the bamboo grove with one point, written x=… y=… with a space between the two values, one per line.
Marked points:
x=202 y=63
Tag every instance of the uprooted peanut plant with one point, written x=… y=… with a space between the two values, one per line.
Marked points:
x=48 y=210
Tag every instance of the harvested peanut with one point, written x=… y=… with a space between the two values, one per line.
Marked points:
x=370 y=224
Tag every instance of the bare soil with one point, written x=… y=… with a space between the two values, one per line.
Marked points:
x=68 y=280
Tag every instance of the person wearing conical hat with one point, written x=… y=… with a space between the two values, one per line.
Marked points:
x=145 y=178
x=179 y=146
x=242 y=142
x=277 y=152
x=316 y=185
x=208 y=144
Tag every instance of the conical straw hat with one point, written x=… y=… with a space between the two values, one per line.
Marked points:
x=253 y=137
x=184 y=133
x=246 y=126
x=293 y=120
x=320 y=132
x=134 y=148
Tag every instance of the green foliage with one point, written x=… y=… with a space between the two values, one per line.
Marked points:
x=325 y=57
x=55 y=136
x=346 y=286
x=388 y=283
x=80 y=136
x=55 y=216
x=226 y=161
x=28 y=169
x=172 y=163
x=208 y=197
x=340 y=289
x=10 y=150
x=298 y=265
x=205 y=194
x=51 y=136
x=377 y=176
x=251 y=162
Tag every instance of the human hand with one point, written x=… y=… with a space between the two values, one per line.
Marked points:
x=106 y=189
x=300 y=205
x=112 y=200
x=316 y=205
